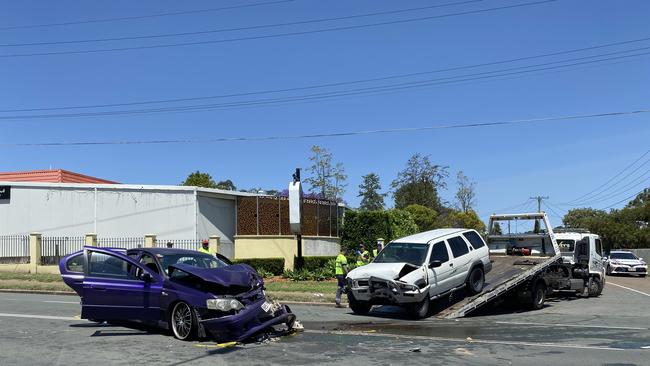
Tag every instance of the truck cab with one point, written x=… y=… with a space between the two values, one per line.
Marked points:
x=583 y=251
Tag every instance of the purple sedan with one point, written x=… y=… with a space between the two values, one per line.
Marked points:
x=192 y=293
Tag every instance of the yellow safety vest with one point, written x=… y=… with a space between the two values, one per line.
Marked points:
x=203 y=250
x=340 y=262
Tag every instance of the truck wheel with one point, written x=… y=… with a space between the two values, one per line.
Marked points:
x=596 y=287
x=475 y=281
x=358 y=307
x=419 y=310
x=538 y=296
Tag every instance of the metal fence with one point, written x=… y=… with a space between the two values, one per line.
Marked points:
x=190 y=244
x=53 y=248
x=14 y=249
x=127 y=243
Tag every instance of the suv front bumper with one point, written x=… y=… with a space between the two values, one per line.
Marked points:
x=382 y=291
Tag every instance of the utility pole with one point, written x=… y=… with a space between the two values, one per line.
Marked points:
x=539 y=209
x=539 y=201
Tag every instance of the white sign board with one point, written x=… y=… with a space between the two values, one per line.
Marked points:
x=295 y=206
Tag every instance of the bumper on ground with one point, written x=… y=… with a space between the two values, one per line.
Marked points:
x=247 y=322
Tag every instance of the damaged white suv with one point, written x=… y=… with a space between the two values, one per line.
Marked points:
x=416 y=269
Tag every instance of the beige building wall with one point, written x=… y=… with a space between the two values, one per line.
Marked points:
x=262 y=246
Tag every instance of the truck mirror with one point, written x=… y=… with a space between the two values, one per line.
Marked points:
x=435 y=264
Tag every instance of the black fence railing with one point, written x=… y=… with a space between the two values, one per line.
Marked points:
x=14 y=249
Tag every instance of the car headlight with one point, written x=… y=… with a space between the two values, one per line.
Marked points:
x=408 y=287
x=224 y=304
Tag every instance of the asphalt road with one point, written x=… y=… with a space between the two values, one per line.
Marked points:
x=611 y=329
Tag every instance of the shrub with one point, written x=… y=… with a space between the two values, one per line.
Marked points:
x=315 y=263
x=367 y=226
x=274 y=266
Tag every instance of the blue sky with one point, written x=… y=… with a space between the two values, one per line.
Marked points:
x=561 y=159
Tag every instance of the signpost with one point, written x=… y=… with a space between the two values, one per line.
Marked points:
x=295 y=214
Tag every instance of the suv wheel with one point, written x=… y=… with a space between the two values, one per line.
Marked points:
x=357 y=306
x=475 y=281
x=419 y=310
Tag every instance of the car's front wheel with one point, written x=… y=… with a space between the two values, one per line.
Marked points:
x=183 y=321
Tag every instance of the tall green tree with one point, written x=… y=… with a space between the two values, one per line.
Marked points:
x=227 y=185
x=459 y=219
x=326 y=178
x=198 y=179
x=425 y=217
x=466 y=193
x=419 y=183
x=369 y=191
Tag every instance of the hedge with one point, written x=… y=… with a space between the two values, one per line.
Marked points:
x=315 y=263
x=271 y=265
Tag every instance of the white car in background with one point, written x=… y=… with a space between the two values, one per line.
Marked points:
x=623 y=261
x=416 y=269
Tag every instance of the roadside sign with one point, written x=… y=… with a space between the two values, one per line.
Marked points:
x=5 y=192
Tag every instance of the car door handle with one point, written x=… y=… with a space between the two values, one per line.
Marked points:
x=451 y=264
x=98 y=288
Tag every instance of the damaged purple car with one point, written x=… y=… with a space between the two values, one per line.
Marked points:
x=191 y=293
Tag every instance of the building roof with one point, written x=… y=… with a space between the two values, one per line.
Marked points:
x=427 y=236
x=51 y=176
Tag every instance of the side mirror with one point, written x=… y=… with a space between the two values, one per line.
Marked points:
x=640 y=259
x=146 y=277
x=435 y=264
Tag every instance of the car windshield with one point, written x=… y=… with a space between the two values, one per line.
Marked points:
x=403 y=252
x=197 y=259
x=623 y=255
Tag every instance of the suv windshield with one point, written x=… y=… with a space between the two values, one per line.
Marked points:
x=194 y=259
x=403 y=252
x=623 y=255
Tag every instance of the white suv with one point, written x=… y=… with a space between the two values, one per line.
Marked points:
x=416 y=269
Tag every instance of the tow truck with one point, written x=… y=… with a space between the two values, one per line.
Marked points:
x=527 y=266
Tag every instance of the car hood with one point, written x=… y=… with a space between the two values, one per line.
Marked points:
x=389 y=271
x=237 y=275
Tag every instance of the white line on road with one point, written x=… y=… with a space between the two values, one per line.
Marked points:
x=459 y=340
x=33 y=316
x=627 y=288
x=64 y=302
x=555 y=325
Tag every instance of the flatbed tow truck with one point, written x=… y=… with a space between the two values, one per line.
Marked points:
x=528 y=266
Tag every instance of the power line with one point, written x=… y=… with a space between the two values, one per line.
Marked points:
x=339 y=134
x=314 y=96
x=252 y=27
x=585 y=196
x=625 y=199
x=554 y=212
x=297 y=33
x=620 y=191
x=352 y=82
x=105 y=20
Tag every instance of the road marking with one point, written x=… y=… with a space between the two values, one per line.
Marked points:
x=33 y=316
x=570 y=325
x=64 y=302
x=627 y=288
x=464 y=340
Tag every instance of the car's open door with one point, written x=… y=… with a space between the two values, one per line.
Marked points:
x=115 y=287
